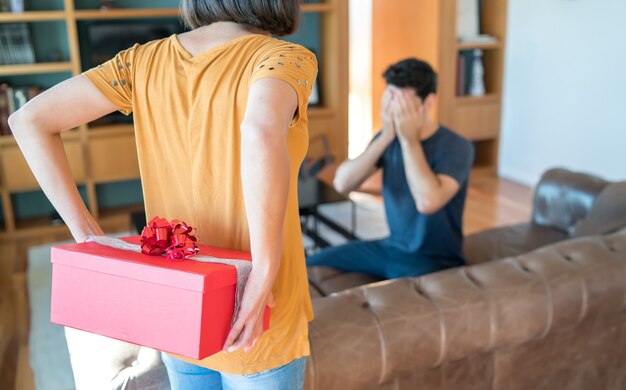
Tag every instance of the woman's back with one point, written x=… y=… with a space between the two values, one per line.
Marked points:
x=188 y=104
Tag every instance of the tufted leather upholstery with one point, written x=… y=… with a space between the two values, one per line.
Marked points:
x=482 y=322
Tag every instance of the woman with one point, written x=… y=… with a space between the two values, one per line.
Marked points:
x=220 y=118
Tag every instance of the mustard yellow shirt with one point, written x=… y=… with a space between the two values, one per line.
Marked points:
x=187 y=112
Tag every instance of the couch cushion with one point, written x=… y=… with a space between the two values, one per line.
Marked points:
x=327 y=280
x=508 y=241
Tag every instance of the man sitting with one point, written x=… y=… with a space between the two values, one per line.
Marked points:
x=425 y=173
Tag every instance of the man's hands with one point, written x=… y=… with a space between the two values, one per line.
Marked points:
x=389 y=130
x=408 y=114
x=248 y=325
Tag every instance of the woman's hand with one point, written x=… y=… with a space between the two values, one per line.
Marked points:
x=248 y=325
x=91 y=228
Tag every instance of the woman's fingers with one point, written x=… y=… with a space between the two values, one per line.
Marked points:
x=247 y=338
x=234 y=333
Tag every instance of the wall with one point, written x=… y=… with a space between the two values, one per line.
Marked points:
x=360 y=90
x=565 y=89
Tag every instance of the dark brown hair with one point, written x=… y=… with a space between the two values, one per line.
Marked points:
x=413 y=73
x=279 y=17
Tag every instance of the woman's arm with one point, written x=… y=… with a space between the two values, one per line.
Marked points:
x=37 y=127
x=265 y=178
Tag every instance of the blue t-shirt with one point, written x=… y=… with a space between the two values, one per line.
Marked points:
x=438 y=236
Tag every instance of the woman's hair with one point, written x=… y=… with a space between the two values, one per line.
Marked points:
x=279 y=17
x=413 y=73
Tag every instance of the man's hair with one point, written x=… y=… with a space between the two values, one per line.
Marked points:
x=413 y=73
x=279 y=17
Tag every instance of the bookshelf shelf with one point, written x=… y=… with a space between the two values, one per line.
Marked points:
x=318 y=7
x=137 y=13
x=105 y=131
x=42 y=67
x=483 y=46
x=32 y=16
x=486 y=99
x=319 y=112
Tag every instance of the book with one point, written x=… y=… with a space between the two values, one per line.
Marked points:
x=11 y=100
x=4 y=109
x=464 y=72
x=460 y=75
x=15 y=44
x=16 y=5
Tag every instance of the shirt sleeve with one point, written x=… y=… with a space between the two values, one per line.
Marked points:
x=115 y=79
x=455 y=160
x=293 y=64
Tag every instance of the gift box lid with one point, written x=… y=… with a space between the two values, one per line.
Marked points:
x=188 y=274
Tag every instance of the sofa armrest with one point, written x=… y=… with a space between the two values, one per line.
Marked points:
x=375 y=333
x=563 y=198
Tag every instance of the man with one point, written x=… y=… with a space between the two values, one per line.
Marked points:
x=425 y=173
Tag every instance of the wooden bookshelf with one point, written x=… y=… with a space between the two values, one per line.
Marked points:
x=32 y=16
x=126 y=13
x=41 y=67
x=89 y=146
x=427 y=29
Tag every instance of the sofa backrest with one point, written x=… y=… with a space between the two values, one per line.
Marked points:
x=608 y=213
x=563 y=198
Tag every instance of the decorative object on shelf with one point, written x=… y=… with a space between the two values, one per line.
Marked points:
x=106 y=5
x=17 y=5
x=468 y=19
x=468 y=24
x=16 y=46
x=477 y=85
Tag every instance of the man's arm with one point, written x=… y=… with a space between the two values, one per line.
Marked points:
x=37 y=127
x=430 y=191
x=352 y=173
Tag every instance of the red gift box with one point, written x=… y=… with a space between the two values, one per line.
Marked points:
x=181 y=307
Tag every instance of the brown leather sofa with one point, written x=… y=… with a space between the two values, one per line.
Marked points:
x=546 y=318
x=540 y=306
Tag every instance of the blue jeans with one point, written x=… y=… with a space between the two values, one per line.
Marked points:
x=377 y=258
x=187 y=376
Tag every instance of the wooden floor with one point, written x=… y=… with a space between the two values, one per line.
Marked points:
x=491 y=202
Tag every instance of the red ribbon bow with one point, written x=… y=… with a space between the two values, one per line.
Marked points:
x=172 y=238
